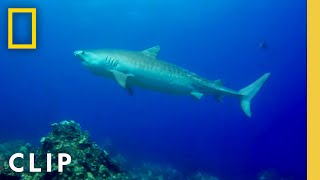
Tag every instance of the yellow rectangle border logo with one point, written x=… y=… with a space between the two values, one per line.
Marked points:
x=33 y=12
x=313 y=86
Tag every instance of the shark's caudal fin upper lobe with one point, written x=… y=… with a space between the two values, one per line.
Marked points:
x=249 y=92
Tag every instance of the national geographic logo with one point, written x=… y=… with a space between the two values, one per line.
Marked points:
x=33 y=44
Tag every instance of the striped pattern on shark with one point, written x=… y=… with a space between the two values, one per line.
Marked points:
x=143 y=69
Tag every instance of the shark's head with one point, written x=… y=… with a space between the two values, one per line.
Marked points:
x=98 y=61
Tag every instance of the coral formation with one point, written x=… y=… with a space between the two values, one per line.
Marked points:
x=89 y=161
x=149 y=171
x=272 y=174
x=6 y=150
x=202 y=176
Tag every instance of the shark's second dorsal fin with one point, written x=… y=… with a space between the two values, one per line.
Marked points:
x=219 y=83
x=152 y=52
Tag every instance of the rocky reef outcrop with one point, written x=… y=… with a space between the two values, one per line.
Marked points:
x=6 y=150
x=89 y=161
x=150 y=171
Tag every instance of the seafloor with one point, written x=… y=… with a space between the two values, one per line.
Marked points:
x=89 y=161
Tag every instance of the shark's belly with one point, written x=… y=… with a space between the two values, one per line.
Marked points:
x=163 y=83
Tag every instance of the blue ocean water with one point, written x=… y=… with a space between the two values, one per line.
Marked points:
x=215 y=39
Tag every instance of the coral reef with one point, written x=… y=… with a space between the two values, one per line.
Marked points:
x=149 y=171
x=202 y=176
x=6 y=150
x=272 y=174
x=89 y=161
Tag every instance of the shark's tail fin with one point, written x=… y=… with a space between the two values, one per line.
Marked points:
x=249 y=92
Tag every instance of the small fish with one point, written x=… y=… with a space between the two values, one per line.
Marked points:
x=143 y=68
x=263 y=45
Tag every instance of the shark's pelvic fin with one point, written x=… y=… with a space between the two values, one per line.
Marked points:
x=250 y=91
x=196 y=95
x=121 y=79
x=218 y=97
x=152 y=52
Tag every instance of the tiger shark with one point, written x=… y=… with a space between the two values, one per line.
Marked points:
x=143 y=69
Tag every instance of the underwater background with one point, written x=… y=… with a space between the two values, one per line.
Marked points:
x=215 y=39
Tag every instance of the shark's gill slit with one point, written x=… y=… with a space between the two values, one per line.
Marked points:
x=108 y=59
x=111 y=62
x=115 y=63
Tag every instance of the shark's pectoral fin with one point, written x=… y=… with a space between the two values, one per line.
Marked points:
x=196 y=95
x=152 y=52
x=122 y=79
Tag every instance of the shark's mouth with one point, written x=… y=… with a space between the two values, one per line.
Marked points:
x=79 y=55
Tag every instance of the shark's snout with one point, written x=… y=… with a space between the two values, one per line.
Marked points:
x=78 y=53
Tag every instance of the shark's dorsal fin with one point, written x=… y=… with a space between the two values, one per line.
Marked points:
x=121 y=79
x=152 y=52
x=218 y=82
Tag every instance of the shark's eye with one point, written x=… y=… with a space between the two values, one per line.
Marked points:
x=83 y=53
